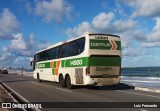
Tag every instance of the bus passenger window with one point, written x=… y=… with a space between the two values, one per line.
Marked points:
x=51 y=54
x=80 y=45
x=74 y=49
x=57 y=52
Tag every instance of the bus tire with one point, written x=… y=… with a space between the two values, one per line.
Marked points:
x=68 y=82
x=61 y=81
x=38 y=78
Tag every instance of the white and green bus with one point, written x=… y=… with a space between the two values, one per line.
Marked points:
x=90 y=59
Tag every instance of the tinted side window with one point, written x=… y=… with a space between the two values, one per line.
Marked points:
x=41 y=56
x=80 y=45
x=77 y=47
x=65 y=50
x=34 y=61
x=72 y=48
x=35 y=58
x=56 y=52
x=38 y=57
x=47 y=55
x=51 y=53
x=44 y=56
x=69 y=49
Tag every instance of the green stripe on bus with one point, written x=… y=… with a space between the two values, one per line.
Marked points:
x=63 y=63
x=53 y=71
x=105 y=61
x=78 y=62
x=84 y=61
x=44 y=65
x=54 y=64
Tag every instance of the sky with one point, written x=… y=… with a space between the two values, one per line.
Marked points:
x=27 y=26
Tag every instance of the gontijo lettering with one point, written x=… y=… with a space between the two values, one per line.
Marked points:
x=101 y=44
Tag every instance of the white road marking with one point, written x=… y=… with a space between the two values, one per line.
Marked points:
x=63 y=89
x=139 y=94
x=55 y=87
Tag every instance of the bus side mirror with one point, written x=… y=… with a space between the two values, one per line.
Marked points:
x=31 y=63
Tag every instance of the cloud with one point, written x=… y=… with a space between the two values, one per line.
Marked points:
x=42 y=44
x=80 y=29
x=138 y=36
x=122 y=25
x=8 y=24
x=21 y=43
x=26 y=45
x=102 y=20
x=21 y=50
x=144 y=7
x=155 y=34
x=133 y=52
x=5 y=57
x=150 y=44
x=153 y=38
x=105 y=22
x=18 y=43
x=4 y=49
x=20 y=46
x=102 y=23
x=132 y=36
x=19 y=62
x=52 y=10
x=141 y=55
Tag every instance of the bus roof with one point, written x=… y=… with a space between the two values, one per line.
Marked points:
x=104 y=34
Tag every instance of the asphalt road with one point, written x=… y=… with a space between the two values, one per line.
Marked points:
x=34 y=91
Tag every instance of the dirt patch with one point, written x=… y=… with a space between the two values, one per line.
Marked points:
x=5 y=97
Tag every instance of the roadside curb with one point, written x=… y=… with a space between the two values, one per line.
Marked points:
x=12 y=94
x=14 y=100
x=17 y=97
x=148 y=89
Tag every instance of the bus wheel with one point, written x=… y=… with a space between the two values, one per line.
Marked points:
x=61 y=81
x=68 y=82
x=38 y=78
